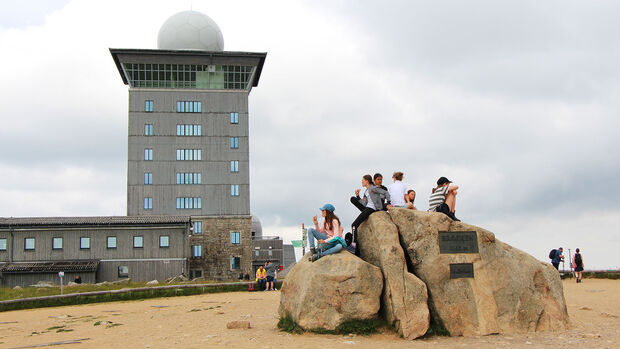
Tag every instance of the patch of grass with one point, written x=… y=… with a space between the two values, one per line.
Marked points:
x=128 y=296
x=602 y=275
x=97 y=323
x=287 y=324
x=361 y=327
x=54 y=328
x=64 y=330
x=436 y=328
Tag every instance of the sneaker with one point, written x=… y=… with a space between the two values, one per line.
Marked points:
x=314 y=257
x=275 y=289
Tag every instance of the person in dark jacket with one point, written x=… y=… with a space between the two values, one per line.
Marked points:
x=371 y=201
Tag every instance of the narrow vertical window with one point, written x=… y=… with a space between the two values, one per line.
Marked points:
x=234 y=142
x=148 y=203
x=148 y=106
x=197 y=251
x=234 y=118
x=235 y=262
x=235 y=237
x=148 y=154
x=2 y=244
x=148 y=129
x=234 y=166
x=148 y=178
x=198 y=227
x=234 y=190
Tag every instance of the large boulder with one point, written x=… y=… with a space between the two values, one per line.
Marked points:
x=404 y=302
x=510 y=291
x=330 y=291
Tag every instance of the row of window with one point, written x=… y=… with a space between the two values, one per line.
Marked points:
x=111 y=242
x=189 y=203
x=189 y=154
x=57 y=242
x=190 y=178
x=189 y=107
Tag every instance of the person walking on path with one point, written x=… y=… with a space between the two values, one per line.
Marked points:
x=371 y=201
x=329 y=229
x=443 y=198
x=558 y=257
x=578 y=265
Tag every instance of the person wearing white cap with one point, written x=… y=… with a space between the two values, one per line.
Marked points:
x=326 y=232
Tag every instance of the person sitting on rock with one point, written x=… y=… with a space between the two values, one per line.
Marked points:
x=261 y=278
x=329 y=229
x=443 y=198
x=378 y=182
x=371 y=202
x=398 y=190
x=409 y=199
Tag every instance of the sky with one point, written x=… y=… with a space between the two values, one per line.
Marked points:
x=515 y=102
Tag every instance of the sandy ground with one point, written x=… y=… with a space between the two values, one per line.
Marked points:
x=200 y=322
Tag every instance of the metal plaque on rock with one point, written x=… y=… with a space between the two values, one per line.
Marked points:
x=461 y=270
x=458 y=242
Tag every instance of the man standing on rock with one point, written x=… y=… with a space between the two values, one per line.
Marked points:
x=558 y=257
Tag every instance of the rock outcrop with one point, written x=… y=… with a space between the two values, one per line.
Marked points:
x=404 y=301
x=510 y=291
x=332 y=290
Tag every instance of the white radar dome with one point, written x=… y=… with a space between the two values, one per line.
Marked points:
x=190 y=30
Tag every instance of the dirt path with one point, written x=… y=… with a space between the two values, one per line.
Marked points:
x=200 y=322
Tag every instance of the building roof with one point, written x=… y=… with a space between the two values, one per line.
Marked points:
x=189 y=53
x=100 y=220
x=84 y=265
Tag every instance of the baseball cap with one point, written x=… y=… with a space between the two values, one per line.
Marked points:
x=328 y=207
x=443 y=180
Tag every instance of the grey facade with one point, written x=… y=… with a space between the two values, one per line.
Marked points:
x=206 y=135
x=267 y=248
x=144 y=248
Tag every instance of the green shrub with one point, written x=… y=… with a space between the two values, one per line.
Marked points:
x=287 y=324
x=361 y=327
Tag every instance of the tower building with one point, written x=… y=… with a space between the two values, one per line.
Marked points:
x=188 y=138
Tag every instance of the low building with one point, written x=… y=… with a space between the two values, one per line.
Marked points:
x=96 y=248
x=266 y=248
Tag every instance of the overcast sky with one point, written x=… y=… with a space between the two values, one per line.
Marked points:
x=516 y=102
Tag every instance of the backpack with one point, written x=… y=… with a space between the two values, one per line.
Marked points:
x=552 y=253
x=578 y=259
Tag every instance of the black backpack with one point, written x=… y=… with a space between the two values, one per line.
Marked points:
x=552 y=253
x=578 y=259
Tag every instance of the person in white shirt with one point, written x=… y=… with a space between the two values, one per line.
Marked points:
x=398 y=190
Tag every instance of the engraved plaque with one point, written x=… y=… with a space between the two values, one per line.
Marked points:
x=458 y=242
x=461 y=270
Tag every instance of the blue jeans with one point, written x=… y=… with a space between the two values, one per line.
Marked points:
x=312 y=234
x=332 y=250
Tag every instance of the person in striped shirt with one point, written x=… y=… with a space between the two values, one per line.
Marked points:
x=443 y=198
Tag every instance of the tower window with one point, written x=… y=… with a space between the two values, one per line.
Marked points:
x=234 y=142
x=189 y=107
x=148 y=203
x=148 y=129
x=234 y=190
x=148 y=154
x=234 y=166
x=148 y=178
x=234 y=118
x=148 y=106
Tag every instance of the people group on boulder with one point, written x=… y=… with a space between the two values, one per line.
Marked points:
x=376 y=197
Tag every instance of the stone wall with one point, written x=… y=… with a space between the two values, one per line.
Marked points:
x=218 y=249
